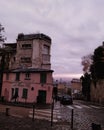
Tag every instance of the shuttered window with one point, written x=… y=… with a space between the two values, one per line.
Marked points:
x=17 y=76
x=43 y=78
x=27 y=76
x=25 y=92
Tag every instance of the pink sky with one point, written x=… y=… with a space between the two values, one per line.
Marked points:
x=75 y=26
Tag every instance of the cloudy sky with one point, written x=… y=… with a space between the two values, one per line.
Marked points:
x=75 y=26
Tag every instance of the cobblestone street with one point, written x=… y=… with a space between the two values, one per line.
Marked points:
x=16 y=123
x=84 y=115
x=19 y=119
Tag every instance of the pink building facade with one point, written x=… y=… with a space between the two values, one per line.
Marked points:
x=29 y=85
x=27 y=76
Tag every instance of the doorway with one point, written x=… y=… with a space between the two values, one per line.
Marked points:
x=41 y=96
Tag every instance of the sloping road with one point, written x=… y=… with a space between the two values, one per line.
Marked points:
x=85 y=113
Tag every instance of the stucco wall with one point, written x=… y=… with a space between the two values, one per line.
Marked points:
x=76 y=87
x=34 y=83
x=39 y=59
x=97 y=92
x=21 y=53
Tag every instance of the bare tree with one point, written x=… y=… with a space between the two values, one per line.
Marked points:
x=86 y=78
x=2 y=55
x=2 y=37
x=87 y=62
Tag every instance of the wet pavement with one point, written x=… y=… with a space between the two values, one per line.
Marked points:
x=84 y=114
x=18 y=119
x=15 y=123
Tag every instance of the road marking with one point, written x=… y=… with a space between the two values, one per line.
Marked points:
x=77 y=106
x=70 y=107
x=85 y=106
x=95 y=106
x=43 y=111
x=57 y=106
x=45 y=114
x=42 y=117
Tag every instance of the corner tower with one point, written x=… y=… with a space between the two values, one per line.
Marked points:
x=33 y=50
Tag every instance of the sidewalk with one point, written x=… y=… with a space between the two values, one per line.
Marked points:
x=19 y=120
x=16 y=123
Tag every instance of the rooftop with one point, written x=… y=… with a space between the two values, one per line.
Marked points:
x=22 y=37
x=23 y=70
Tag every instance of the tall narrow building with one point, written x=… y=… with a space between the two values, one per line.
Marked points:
x=27 y=75
x=33 y=50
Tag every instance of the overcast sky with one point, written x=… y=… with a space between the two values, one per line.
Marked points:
x=75 y=26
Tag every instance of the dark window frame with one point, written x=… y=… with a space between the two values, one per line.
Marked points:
x=25 y=59
x=43 y=77
x=26 y=46
x=46 y=49
x=14 y=93
x=27 y=76
x=25 y=93
x=17 y=76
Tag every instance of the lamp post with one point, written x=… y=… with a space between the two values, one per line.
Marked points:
x=54 y=97
x=55 y=90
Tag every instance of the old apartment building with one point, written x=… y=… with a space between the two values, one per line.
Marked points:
x=27 y=74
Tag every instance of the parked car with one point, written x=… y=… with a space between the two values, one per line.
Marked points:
x=78 y=96
x=59 y=97
x=66 y=100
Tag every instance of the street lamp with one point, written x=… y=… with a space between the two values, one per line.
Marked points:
x=54 y=96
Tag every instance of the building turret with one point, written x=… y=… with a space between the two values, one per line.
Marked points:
x=33 y=50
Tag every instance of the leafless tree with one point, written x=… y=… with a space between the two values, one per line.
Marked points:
x=2 y=37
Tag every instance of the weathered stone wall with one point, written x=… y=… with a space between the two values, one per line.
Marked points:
x=23 y=52
x=97 y=92
x=36 y=53
x=41 y=59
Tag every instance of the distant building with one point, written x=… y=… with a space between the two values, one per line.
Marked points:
x=76 y=85
x=64 y=88
x=27 y=69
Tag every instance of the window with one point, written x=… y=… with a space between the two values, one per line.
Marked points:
x=24 y=93
x=7 y=76
x=14 y=93
x=43 y=77
x=17 y=76
x=46 y=49
x=26 y=46
x=25 y=59
x=14 y=58
x=27 y=76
